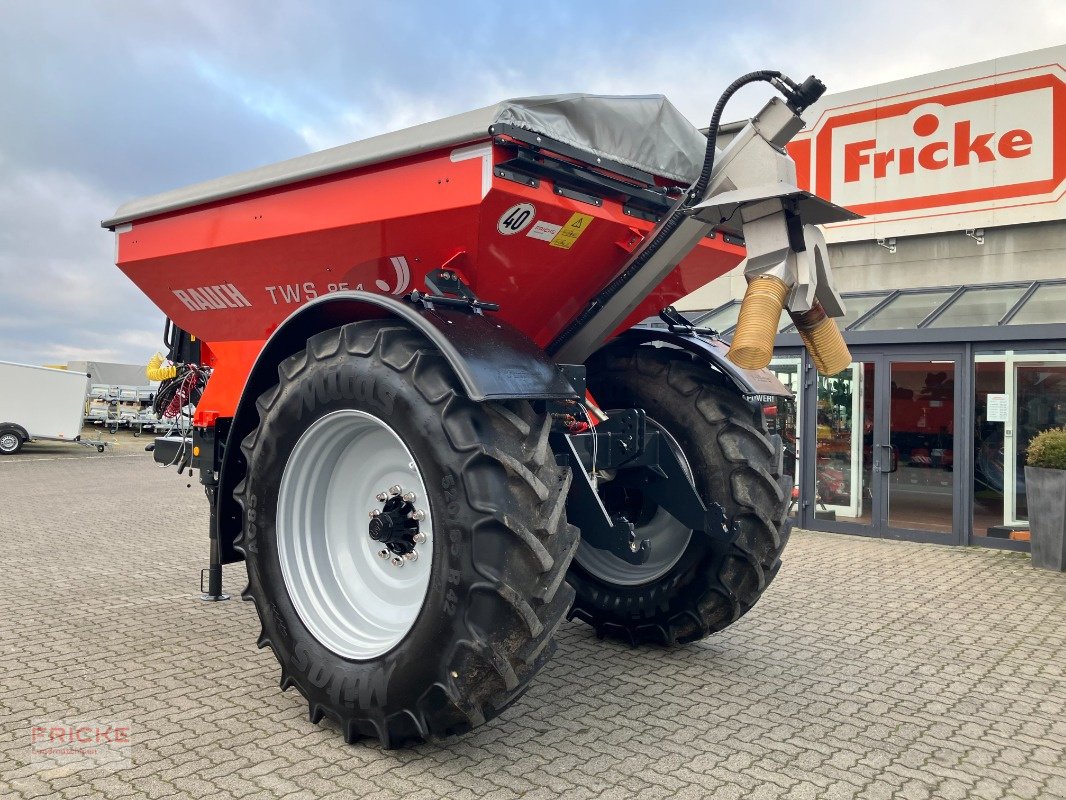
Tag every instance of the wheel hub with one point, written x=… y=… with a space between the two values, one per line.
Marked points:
x=395 y=525
x=668 y=537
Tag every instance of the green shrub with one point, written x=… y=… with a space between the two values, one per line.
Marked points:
x=1048 y=449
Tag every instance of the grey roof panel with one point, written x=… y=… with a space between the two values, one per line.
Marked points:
x=643 y=131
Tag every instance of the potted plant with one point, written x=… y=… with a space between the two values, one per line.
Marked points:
x=1045 y=490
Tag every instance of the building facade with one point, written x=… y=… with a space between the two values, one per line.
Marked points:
x=955 y=288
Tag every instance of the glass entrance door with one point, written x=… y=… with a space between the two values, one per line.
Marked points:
x=842 y=469
x=884 y=464
x=917 y=452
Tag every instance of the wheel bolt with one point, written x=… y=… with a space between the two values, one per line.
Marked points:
x=383 y=552
x=408 y=497
x=397 y=561
x=412 y=556
x=382 y=497
x=375 y=512
x=394 y=490
x=417 y=514
x=419 y=537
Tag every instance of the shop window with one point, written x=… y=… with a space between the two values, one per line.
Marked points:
x=1014 y=400
x=1041 y=404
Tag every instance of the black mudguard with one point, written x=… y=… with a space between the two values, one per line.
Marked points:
x=710 y=349
x=15 y=428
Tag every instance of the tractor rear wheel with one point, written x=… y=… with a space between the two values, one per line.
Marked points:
x=406 y=547
x=694 y=583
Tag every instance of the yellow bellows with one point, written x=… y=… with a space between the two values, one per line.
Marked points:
x=157 y=372
x=823 y=339
x=760 y=313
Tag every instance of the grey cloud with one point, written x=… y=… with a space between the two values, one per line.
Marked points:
x=119 y=104
x=60 y=294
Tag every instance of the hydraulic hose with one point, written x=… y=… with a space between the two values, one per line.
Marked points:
x=676 y=217
x=698 y=188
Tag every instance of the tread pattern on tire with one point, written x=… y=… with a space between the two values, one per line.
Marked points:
x=519 y=561
x=717 y=580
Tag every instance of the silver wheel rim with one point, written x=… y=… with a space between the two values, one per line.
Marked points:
x=667 y=536
x=353 y=601
x=8 y=442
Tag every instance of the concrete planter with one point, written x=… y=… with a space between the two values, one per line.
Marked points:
x=1045 y=490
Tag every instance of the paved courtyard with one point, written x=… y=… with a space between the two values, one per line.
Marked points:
x=870 y=669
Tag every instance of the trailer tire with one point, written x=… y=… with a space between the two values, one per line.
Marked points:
x=498 y=541
x=714 y=580
x=10 y=442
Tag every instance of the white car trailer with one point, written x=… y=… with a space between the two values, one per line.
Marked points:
x=41 y=403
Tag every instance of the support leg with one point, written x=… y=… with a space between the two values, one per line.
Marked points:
x=214 y=569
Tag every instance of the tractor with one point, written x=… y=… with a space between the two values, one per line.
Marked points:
x=431 y=416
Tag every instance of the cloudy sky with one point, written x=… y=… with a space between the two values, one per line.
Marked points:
x=101 y=102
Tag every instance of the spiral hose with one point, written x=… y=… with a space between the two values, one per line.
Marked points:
x=157 y=372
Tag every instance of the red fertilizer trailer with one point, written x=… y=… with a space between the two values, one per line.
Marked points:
x=432 y=426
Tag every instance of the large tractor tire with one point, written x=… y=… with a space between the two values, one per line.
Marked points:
x=694 y=583
x=366 y=453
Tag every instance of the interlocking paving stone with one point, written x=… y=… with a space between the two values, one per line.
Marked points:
x=871 y=669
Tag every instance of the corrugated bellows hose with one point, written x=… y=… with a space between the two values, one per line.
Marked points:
x=760 y=313
x=823 y=339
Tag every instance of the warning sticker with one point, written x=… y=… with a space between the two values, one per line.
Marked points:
x=544 y=231
x=571 y=231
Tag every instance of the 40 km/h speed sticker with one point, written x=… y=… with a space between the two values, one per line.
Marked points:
x=516 y=218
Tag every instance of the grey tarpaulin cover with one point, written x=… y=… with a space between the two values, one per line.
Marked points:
x=642 y=131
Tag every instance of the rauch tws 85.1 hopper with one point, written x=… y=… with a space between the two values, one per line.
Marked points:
x=431 y=423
